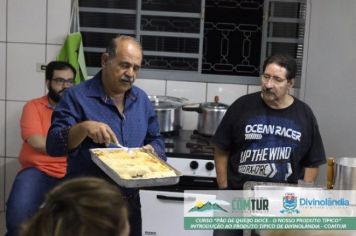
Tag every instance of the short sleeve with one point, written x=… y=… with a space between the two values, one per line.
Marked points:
x=223 y=135
x=30 y=121
x=316 y=153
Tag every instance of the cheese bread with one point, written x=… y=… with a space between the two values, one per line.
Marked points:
x=134 y=164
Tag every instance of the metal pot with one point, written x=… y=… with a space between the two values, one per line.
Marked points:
x=210 y=115
x=345 y=173
x=168 y=110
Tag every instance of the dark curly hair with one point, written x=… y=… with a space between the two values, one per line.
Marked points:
x=285 y=61
x=58 y=65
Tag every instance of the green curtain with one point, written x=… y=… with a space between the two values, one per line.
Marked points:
x=72 y=51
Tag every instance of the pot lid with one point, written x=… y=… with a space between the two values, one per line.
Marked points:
x=214 y=106
x=166 y=101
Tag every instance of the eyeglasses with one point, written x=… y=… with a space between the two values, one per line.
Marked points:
x=275 y=79
x=62 y=81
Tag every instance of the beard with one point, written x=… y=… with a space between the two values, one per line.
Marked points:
x=55 y=96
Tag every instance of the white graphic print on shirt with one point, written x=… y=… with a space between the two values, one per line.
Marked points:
x=271 y=141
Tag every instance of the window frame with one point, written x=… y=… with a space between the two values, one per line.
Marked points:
x=196 y=76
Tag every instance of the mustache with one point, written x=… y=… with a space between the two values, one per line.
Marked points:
x=61 y=91
x=126 y=78
x=58 y=92
x=268 y=90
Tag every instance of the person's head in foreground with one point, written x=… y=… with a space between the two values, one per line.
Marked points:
x=81 y=207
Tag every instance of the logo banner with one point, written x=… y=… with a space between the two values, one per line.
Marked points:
x=290 y=208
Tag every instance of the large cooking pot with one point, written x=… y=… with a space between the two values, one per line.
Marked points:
x=342 y=173
x=210 y=115
x=168 y=110
x=345 y=173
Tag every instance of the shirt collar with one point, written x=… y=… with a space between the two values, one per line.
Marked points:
x=45 y=102
x=96 y=89
x=51 y=106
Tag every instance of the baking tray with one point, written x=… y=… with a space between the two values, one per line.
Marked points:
x=137 y=182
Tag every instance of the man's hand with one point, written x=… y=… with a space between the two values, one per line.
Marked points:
x=221 y=158
x=99 y=132
x=310 y=174
x=38 y=142
x=149 y=148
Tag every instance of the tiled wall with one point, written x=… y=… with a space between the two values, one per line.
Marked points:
x=32 y=32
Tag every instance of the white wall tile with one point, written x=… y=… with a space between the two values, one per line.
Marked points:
x=152 y=86
x=58 y=20
x=12 y=166
x=23 y=82
x=52 y=52
x=2 y=128
x=195 y=92
x=2 y=20
x=2 y=184
x=13 y=135
x=2 y=69
x=27 y=21
x=227 y=93
x=253 y=88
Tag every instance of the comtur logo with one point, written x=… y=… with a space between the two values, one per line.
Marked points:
x=290 y=204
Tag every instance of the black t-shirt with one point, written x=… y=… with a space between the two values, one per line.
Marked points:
x=269 y=145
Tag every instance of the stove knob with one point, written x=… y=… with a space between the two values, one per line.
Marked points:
x=194 y=165
x=209 y=166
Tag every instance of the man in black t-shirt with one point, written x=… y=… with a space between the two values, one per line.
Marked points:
x=268 y=136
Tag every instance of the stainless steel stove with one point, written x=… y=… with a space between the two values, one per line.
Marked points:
x=185 y=142
x=191 y=154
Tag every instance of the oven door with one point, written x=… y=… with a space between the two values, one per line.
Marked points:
x=163 y=214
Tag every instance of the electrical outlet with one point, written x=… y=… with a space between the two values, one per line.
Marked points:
x=40 y=67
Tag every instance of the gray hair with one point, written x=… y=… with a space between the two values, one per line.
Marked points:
x=111 y=49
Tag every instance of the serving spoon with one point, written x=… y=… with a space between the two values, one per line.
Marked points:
x=118 y=145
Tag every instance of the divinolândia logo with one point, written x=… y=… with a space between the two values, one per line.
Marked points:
x=290 y=204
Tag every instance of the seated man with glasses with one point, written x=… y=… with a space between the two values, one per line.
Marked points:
x=39 y=172
x=268 y=136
